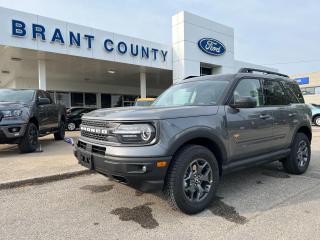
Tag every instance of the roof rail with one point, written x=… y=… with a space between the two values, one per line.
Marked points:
x=251 y=70
x=190 y=77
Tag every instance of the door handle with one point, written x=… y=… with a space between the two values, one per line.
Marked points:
x=292 y=114
x=264 y=116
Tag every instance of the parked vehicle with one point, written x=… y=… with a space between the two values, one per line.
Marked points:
x=315 y=114
x=27 y=114
x=144 y=101
x=198 y=130
x=74 y=117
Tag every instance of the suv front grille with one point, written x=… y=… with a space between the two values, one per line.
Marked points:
x=100 y=137
x=89 y=127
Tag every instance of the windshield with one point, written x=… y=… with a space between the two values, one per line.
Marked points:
x=200 y=93
x=11 y=95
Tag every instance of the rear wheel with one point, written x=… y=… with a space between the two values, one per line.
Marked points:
x=29 y=141
x=298 y=160
x=317 y=121
x=60 y=134
x=193 y=179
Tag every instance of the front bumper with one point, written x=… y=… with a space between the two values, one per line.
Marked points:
x=141 y=173
x=11 y=133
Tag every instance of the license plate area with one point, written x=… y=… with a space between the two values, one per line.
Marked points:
x=85 y=160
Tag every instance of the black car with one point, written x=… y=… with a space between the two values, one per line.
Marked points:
x=26 y=114
x=74 y=117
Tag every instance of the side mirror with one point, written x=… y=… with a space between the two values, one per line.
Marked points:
x=43 y=101
x=244 y=102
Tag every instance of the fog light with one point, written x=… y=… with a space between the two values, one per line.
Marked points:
x=14 y=129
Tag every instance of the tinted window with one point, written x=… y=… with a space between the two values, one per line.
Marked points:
x=47 y=95
x=294 y=92
x=274 y=93
x=249 y=88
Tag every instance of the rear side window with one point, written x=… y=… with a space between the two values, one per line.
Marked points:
x=294 y=93
x=274 y=93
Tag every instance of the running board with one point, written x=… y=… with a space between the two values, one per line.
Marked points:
x=257 y=160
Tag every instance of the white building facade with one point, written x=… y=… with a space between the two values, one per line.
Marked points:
x=83 y=66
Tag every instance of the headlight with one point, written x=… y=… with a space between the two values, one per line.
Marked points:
x=11 y=113
x=135 y=133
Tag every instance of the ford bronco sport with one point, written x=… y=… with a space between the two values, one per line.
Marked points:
x=197 y=130
x=27 y=114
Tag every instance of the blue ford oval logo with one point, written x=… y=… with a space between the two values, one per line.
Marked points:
x=212 y=46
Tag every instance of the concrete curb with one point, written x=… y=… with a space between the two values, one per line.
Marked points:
x=43 y=180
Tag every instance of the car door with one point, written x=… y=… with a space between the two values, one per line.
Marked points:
x=43 y=116
x=249 y=129
x=276 y=99
x=53 y=114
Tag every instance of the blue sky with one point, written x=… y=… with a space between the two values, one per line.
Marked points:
x=285 y=34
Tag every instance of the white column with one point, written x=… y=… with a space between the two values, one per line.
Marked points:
x=42 y=75
x=143 y=85
x=98 y=100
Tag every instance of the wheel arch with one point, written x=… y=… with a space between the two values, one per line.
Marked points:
x=303 y=129
x=203 y=136
x=35 y=121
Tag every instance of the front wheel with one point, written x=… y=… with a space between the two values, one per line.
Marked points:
x=192 y=179
x=317 y=121
x=60 y=134
x=29 y=141
x=298 y=160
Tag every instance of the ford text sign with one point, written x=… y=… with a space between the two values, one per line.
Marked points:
x=212 y=46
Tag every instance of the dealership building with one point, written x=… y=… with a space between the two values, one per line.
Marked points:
x=83 y=66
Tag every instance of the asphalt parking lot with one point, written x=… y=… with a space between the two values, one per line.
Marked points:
x=257 y=203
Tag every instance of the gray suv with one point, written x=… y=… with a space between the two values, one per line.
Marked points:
x=197 y=130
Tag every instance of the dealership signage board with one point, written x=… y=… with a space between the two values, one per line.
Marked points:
x=212 y=46
x=302 y=80
x=30 y=31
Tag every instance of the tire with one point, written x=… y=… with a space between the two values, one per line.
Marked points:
x=182 y=186
x=71 y=126
x=30 y=141
x=298 y=160
x=60 y=134
x=317 y=121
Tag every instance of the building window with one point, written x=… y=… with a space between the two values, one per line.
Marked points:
x=63 y=99
x=116 y=101
x=105 y=100
x=309 y=91
x=205 y=71
x=76 y=99
x=90 y=99
x=317 y=90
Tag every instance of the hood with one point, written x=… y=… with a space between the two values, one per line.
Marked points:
x=12 y=105
x=151 y=113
